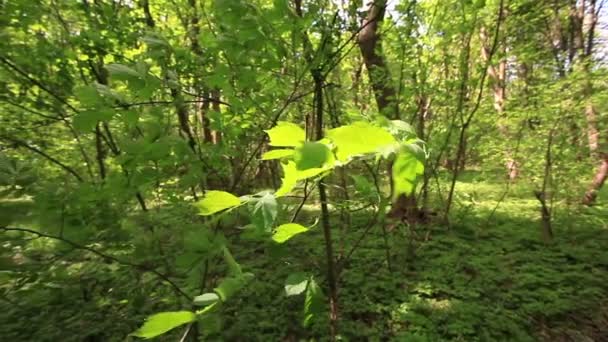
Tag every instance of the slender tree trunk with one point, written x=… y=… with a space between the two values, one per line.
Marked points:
x=370 y=44
x=216 y=136
x=588 y=20
x=598 y=181
x=587 y=26
x=314 y=129
x=331 y=269
x=206 y=132
x=497 y=76
x=100 y=151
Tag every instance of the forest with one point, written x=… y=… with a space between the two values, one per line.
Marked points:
x=303 y=170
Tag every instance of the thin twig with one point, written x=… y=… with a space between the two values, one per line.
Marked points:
x=145 y=268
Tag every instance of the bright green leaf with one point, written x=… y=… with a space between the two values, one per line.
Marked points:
x=289 y=180
x=277 y=154
x=310 y=173
x=162 y=322
x=287 y=231
x=286 y=134
x=215 y=201
x=359 y=138
x=406 y=168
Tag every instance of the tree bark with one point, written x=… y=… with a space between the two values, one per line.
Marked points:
x=370 y=44
x=497 y=76
x=588 y=18
x=598 y=181
x=587 y=56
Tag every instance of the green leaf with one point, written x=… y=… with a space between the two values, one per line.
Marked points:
x=365 y=188
x=401 y=129
x=233 y=266
x=286 y=134
x=264 y=211
x=359 y=138
x=162 y=322
x=310 y=173
x=156 y=42
x=406 y=168
x=277 y=154
x=85 y=121
x=289 y=180
x=122 y=71
x=206 y=299
x=231 y=285
x=206 y=309
x=314 y=302
x=88 y=96
x=215 y=201
x=312 y=155
x=286 y=231
x=296 y=284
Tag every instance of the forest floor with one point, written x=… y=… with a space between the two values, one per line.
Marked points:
x=488 y=278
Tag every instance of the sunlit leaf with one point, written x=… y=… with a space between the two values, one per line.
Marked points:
x=162 y=322
x=310 y=173
x=277 y=154
x=289 y=180
x=215 y=201
x=406 y=168
x=287 y=231
x=358 y=138
x=286 y=134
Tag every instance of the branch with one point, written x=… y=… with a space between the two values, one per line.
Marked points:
x=144 y=268
x=45 y=155
x=488 y=63
x=203 y=99
x=32 y=111
x=36 y=82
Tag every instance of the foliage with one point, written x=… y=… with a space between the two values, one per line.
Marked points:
x=214 y=169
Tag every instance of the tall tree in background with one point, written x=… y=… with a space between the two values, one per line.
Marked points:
x=370 y=43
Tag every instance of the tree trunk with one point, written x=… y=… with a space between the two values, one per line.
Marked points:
x=598 y=181
x=371 y=49
x=588 y=20
x=497 y=77
x=369 y=40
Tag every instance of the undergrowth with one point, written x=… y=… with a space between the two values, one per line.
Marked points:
x=487 y=277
